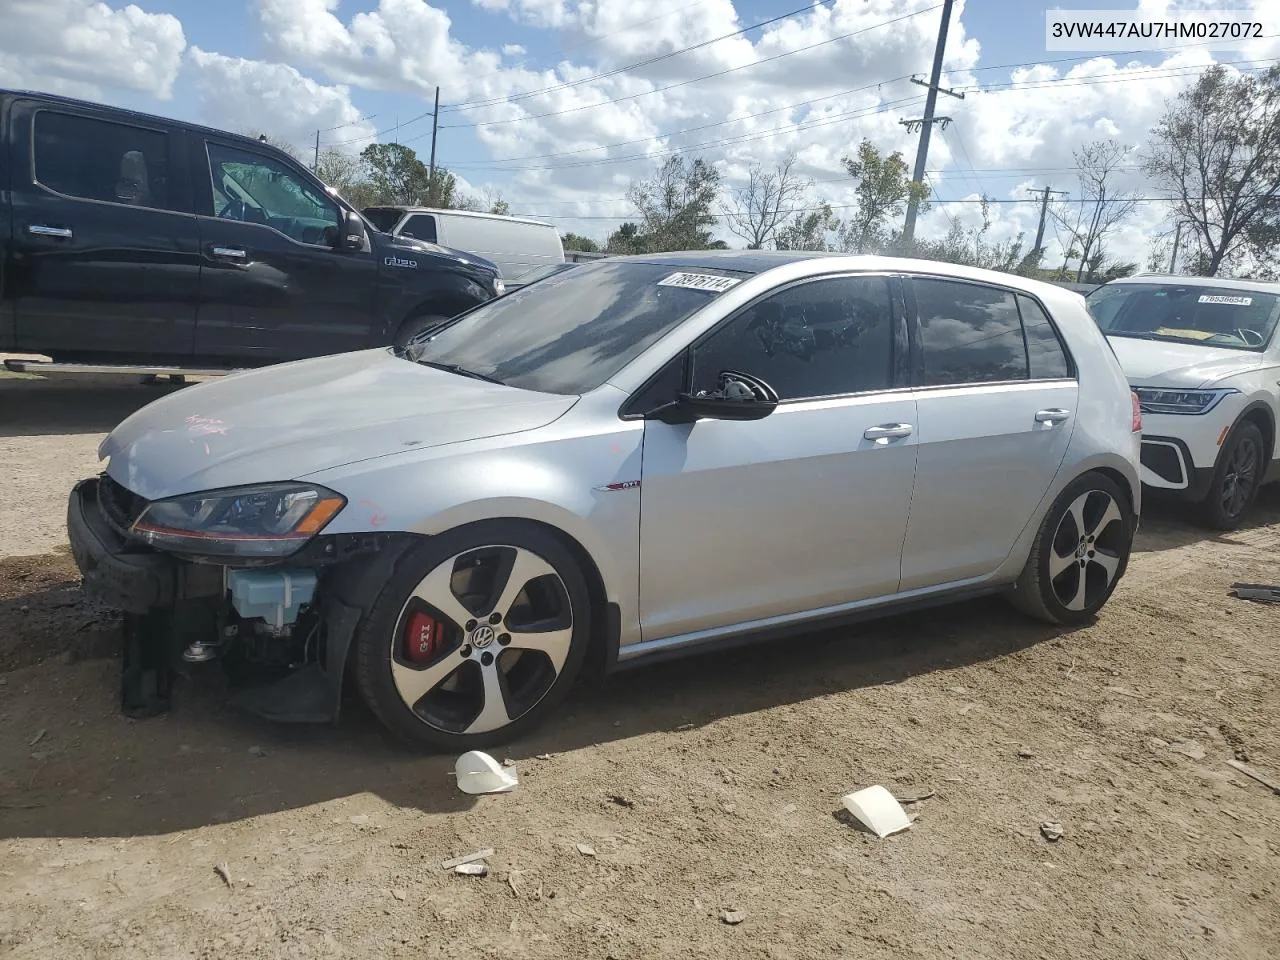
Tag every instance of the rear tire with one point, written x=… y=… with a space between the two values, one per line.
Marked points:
x=1236 y=479
x=1079 y=554
x=511 y=614
x=415 y=326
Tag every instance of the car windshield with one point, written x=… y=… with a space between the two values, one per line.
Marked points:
x=1186 y=313
x=572 y=331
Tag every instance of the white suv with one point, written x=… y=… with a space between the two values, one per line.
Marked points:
x=1201 y=354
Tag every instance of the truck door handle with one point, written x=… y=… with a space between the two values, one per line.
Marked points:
x=1052 y=415
x=40 y=230
x=229 y=253
x=887 y=432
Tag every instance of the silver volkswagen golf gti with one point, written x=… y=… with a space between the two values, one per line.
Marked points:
x=634 y=459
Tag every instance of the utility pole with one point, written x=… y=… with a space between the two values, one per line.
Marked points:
x=1044 y=209
x=316 y=165
x=926 y=124
x=431 y=178
x=1177 y=241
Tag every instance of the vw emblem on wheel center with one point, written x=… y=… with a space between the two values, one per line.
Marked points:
x=482 y=636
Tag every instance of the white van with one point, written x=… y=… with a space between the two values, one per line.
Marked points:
x=516 y=244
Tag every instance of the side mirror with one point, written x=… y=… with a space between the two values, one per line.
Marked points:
x=739 y=396
x=350 y=232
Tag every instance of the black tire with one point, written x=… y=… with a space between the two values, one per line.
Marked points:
x=1243 y=457
x=1037 y=592
x=381 y=628
x=416 y=325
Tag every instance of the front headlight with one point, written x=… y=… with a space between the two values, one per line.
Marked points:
x=267 y=521
x=1161 y=400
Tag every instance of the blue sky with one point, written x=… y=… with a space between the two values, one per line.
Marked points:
x=354 y=68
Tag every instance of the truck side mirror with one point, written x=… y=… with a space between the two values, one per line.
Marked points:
x=350 y=233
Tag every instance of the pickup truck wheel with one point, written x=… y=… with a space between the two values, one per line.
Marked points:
x=415 y=326
x=476 y=637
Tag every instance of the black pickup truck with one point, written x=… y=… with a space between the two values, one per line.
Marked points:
x=134 y=243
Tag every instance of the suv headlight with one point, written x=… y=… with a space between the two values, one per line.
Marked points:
x=266 y=521
x=1162 y=400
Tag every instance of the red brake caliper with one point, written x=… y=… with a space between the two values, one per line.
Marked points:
x=423 y=637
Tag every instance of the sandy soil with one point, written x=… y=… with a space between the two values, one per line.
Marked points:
x=700 y=787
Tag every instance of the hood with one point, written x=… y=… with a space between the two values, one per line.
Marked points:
x=287 y=421
x=411 y=246
x=1158 y=363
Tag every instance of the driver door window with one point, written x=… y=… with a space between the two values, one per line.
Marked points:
x=258 y=189
x=830 y=337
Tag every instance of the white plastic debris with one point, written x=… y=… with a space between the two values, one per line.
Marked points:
x=480 y=773
x=877 y=810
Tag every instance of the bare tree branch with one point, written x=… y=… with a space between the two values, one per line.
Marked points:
x=757 y=211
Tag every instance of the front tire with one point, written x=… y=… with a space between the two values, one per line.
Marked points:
x=1079 y=554
x=508 y=616
x=1236 y=479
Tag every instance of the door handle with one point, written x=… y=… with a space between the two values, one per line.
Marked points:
x=230 y=253
x=1052 y=415
x=40 y=230
x=887 y=431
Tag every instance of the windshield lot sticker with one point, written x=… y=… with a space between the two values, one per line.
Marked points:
x=1234 y=301
x=699 y=281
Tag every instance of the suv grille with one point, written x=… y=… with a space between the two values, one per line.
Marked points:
x=119 y=505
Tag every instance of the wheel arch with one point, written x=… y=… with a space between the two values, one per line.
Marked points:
x=1260 y=413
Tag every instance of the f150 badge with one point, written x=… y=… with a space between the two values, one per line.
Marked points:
x=401 y=262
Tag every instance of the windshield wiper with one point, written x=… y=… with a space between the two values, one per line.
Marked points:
x=459 y=370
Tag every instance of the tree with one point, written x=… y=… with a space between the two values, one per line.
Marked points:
x=339 y=170
x=1216 y=151
x=1101 y=206
x=807 y=230
x=396 y=174
x=675 y=206
x=884 y=188
x=574 y=241
x=626 y=240
x=970 y=246
x=757 y=211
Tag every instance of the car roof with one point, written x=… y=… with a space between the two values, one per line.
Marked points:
x=461 y=213
x=1222 y=283
x=55 y=99
x=762 y=261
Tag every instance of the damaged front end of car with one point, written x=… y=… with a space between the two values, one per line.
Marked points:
x=242 y=576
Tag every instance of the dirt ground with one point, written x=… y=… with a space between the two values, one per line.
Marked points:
x=700 y=787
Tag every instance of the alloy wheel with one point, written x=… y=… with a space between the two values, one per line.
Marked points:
x=1087 y=550
x=482 y=639
x=1241 y=477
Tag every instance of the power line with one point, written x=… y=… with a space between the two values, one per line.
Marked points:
x=684 y=83
x=633 y=66
x=802 y=125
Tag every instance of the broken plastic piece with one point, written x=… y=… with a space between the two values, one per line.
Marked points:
x=877 y=810
x=480 y=773
x=472 y=869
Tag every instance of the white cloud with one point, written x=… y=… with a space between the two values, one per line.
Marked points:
x=567 y=138
x=272 y=98
x=81 y=46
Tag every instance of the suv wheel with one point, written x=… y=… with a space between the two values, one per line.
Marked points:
x=1235 y=478
x=1079 y=554
x=476 y=638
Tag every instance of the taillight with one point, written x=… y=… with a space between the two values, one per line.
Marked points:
x=1136 y=423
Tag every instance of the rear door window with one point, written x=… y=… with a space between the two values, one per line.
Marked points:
x=94 y=159
x=969 y=333
x=1046 y=358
